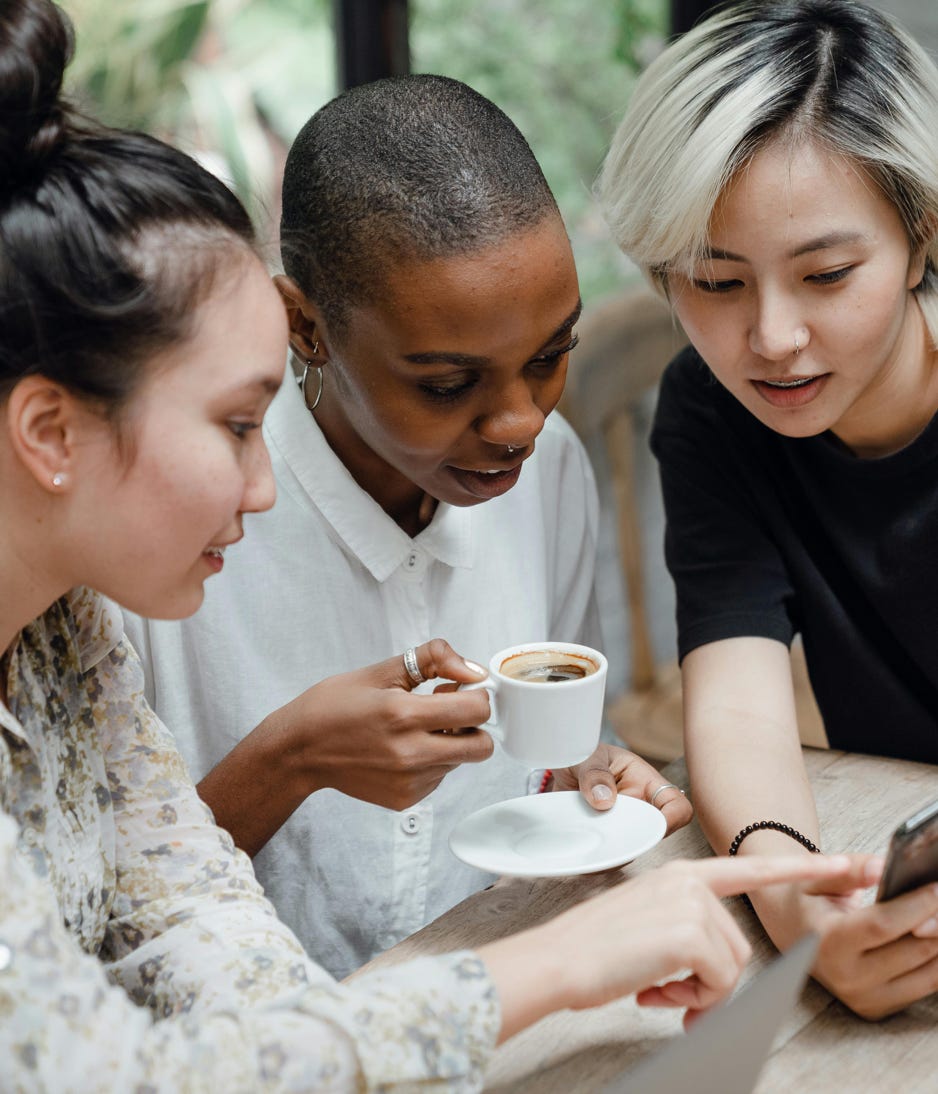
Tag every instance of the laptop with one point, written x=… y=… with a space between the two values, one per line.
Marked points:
x=725 y=1051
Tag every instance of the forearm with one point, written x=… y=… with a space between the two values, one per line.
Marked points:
x=745 y=761
x=744 y=773
x=529 y=977
x=257 y=787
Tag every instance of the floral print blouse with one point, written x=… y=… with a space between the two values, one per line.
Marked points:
x=137 y=951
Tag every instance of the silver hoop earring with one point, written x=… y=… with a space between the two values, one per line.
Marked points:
x=311 y=406
x=308 y=364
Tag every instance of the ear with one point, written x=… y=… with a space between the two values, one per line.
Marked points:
x=43 y=420
x=919 y=254
x=916 y=267
x=308 y=335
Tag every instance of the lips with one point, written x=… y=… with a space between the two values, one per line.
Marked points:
x=790 y=392
x=215 y=557
x=215 y=554
x=485 y=484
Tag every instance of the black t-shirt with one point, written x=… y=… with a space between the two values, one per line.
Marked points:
x=769 y=535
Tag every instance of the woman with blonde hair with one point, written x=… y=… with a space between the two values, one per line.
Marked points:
x=776 y=177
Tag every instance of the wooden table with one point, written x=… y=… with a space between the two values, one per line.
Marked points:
x=823 y=1047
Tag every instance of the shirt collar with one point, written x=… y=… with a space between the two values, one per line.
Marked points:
x=355 y=517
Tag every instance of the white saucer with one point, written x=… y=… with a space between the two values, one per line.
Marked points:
x=555 y=834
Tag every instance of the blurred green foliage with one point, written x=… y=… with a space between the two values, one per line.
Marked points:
x=562 y=71
x=232 y=81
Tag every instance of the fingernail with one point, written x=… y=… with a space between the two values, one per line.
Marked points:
x=928 y=929
x=473 y=667
x=601 y=793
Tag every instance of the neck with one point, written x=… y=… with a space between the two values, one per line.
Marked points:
x=405 y=503
x=28 y=580
x=894 y=411
x=24 y=594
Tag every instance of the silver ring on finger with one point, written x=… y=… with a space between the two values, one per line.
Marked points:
x=664 y=786
x=410 y=664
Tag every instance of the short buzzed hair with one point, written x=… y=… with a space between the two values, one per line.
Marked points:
x=408 y=168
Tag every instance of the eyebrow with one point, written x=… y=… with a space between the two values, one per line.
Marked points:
x=261 y=384
x=822 y=243
x=468 y=360
x=819 y=243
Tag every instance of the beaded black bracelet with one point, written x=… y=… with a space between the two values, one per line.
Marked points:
x=778 y=827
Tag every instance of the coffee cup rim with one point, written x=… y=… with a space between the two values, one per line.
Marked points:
x=498 y=659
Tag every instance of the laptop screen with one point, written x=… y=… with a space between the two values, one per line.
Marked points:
x=730 y=1045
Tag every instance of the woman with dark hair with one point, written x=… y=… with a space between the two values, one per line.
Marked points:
x=140 y=344
x=776 y=176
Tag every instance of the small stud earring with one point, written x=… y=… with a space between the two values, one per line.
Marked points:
x=58 y=479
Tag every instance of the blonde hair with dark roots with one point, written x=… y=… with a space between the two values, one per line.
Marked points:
x=833 y=72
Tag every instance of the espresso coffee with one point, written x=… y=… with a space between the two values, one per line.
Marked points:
x=547 y=666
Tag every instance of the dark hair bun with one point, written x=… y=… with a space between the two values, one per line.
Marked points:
x=35 y=47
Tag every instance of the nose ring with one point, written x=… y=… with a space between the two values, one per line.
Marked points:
x=797 y=346
x=512 y=448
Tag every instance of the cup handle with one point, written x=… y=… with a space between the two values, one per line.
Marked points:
x=491 y=726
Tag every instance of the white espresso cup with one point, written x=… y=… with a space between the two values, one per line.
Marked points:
x=546 y=701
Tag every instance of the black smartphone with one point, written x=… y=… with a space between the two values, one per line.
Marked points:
x=912 y=859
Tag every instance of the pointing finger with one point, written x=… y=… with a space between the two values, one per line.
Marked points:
x=731 y=876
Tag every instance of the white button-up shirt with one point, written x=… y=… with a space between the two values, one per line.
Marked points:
x=327 y=582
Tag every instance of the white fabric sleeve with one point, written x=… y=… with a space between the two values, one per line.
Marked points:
x=573 y=513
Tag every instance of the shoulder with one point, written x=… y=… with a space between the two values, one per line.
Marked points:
x=687 y=386
x=557 y=486
x=73 y=636
x=695 y=409
x=560 y=451
x=558 y=433
x=560 y=470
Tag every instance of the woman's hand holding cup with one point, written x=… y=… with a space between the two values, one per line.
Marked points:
x=366 y=734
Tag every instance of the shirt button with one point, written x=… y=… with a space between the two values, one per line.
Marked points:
x=410 y=823
x=416 y=563
x=6 y=956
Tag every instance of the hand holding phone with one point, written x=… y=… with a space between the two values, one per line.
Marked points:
x=912 y=860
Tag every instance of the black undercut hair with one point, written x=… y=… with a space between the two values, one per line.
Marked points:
x=407 y=168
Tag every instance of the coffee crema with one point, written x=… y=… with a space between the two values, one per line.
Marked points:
x=547 y=666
